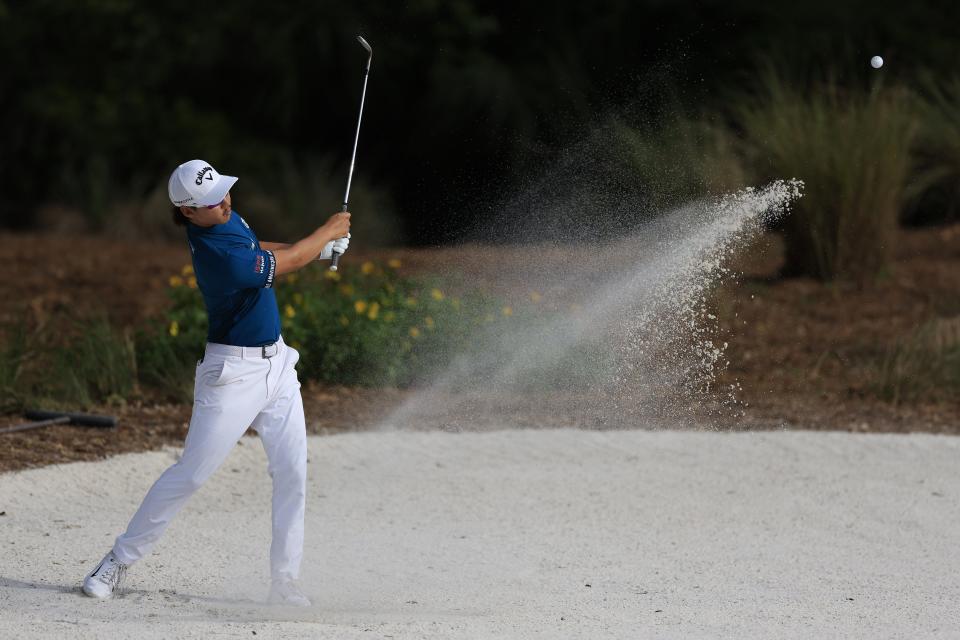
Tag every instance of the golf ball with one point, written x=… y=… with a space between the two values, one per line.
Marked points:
x=876 y=62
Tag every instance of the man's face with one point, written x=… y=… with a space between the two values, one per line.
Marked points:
x=204 y=217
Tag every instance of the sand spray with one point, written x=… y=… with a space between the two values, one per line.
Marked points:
x=629 y=340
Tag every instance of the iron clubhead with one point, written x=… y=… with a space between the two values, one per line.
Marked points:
x=365 y=45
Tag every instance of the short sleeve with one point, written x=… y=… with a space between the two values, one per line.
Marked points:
x=251 y=268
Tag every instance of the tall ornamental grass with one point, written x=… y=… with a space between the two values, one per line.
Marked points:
x=924 y=364
x=936 y=191
x=852 y=149
x=78 y=362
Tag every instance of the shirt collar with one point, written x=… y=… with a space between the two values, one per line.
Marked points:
x=215 y=229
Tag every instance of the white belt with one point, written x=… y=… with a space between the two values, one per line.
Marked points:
x=266 y=351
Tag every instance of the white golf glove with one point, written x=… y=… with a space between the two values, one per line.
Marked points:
x=334 y=246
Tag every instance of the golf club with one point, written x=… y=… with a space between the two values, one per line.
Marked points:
x=334 y=264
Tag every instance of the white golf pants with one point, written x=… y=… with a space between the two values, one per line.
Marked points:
x=233 y=392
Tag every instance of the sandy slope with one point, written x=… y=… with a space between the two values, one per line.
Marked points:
x=515 y=534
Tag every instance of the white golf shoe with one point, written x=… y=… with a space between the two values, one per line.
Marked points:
x=286 y=592
x=103 y=581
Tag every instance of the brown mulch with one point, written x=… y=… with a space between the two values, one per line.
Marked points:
x=800 y=350
x=806 y=353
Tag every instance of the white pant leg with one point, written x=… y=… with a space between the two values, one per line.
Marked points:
x=282 y=429
x=228 y=394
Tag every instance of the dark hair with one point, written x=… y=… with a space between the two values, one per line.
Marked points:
x=178 y=218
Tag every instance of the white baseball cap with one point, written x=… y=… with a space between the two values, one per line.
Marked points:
x=197 y=184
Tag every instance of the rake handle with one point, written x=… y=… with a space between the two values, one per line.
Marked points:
x=36 y=425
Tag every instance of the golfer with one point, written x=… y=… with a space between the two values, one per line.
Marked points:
x=246 y=377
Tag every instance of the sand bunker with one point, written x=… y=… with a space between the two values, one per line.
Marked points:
x=515 y=534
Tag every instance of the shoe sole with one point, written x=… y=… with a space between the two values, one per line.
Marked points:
x=93 y=594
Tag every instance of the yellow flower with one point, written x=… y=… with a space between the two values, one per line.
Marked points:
x=411 y=301
x=394 y=263
x=298 y=299
x=187 y=270
x=174 y=328
x=436 y=294
x=344 y=320
x=414 y=332
x=176 y=281
x=507 y=311
x=331 y=275
x=289 y=311
x=535 y=297
x=389 y=316
x=192 y=282
x=360 y=306
x=367 y=268
x=346 y=289
x=374 y=310
x=292 y=277
x=428 y=323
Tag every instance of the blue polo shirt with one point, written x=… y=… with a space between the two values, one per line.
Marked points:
x=235 y=277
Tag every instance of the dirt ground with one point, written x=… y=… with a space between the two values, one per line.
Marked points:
x=802 y=352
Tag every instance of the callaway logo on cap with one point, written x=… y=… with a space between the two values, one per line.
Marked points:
x=197 y=184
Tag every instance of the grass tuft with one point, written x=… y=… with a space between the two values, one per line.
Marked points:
x=924 y=364
x=852 y=149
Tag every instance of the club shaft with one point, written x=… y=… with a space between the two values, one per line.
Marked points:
x=356 y=139
x=335 y=262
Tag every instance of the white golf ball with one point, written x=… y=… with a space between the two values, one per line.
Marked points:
x=876 y=62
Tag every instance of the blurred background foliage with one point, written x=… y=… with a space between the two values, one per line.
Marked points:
x=468 y=100
x=368 y=326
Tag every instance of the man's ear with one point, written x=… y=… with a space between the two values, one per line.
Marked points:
x=187 y=212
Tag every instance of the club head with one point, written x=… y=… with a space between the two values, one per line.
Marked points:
x=365 y=45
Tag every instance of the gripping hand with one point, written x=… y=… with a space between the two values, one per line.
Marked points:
x=334 y=246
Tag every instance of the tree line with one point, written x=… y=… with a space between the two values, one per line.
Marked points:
x=467 y=98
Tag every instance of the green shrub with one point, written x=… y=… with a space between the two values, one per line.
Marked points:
x=168 y=347
x=852 y=149
x=365 y=325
